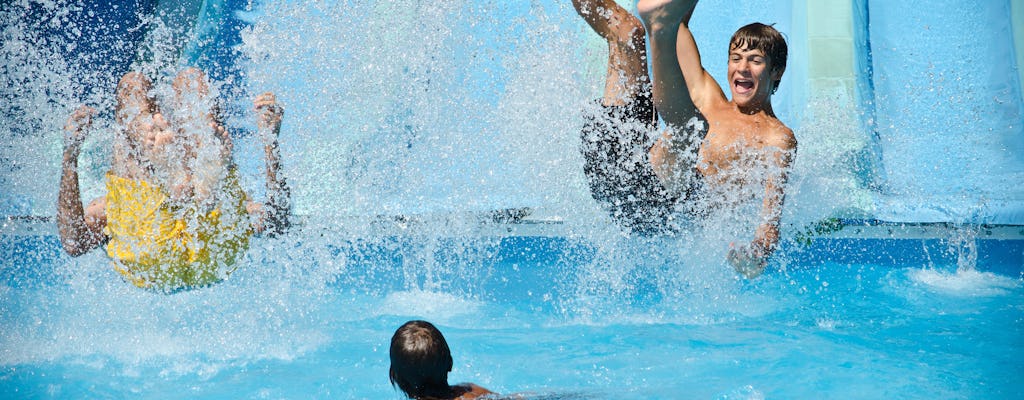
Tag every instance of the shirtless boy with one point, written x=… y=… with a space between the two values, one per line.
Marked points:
x=738 y=131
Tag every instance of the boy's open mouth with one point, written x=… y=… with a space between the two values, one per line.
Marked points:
x=743 y=85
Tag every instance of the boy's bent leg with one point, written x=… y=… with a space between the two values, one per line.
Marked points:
x=674 y=154
x=614 y=136
x=627 y=77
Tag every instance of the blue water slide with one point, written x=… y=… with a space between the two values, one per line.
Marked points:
x=939 y=78
x=207 y=32
x=216 y=37
x=200 y=33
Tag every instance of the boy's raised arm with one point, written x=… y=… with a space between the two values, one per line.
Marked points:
x=80 y=229
x=701 y=86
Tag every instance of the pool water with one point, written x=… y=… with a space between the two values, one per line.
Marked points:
x=541 y=316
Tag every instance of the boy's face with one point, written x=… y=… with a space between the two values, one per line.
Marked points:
x=750 y=76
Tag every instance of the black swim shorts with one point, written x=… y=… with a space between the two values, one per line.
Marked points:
x=615 y=145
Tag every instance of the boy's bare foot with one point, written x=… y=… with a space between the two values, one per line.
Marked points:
x=661 y=14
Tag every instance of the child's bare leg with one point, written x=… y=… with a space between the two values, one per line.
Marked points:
x=671 y=98
x=199 y=136
x=614 y=138
x=135 y=107
x=627 y=77
x=673 y=155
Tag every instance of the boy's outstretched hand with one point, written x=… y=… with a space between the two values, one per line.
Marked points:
x=748 y=260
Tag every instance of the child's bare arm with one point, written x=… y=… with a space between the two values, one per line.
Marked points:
x=80 y=229
x=275 y=213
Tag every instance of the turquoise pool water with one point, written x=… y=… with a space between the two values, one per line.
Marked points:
x=544 y=316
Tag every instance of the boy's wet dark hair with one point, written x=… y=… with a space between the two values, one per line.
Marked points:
x=766 y=38
x=420 y=360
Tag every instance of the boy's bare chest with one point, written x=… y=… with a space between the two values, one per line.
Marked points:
x=731 y=142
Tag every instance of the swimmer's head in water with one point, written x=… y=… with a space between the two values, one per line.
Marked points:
x=420 y=360
x=769 y=41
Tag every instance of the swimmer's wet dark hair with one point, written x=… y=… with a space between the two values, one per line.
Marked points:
x=420 y=360
x=758 y=36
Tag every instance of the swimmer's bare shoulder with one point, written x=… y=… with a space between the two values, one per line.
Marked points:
x=779 y=135
x=469 y=391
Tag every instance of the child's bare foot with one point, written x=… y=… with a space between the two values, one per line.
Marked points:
x=661 y=14
x=156 y=136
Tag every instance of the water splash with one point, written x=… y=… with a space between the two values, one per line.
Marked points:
x=963 y=242
x=456 y=124
x=965 y=283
